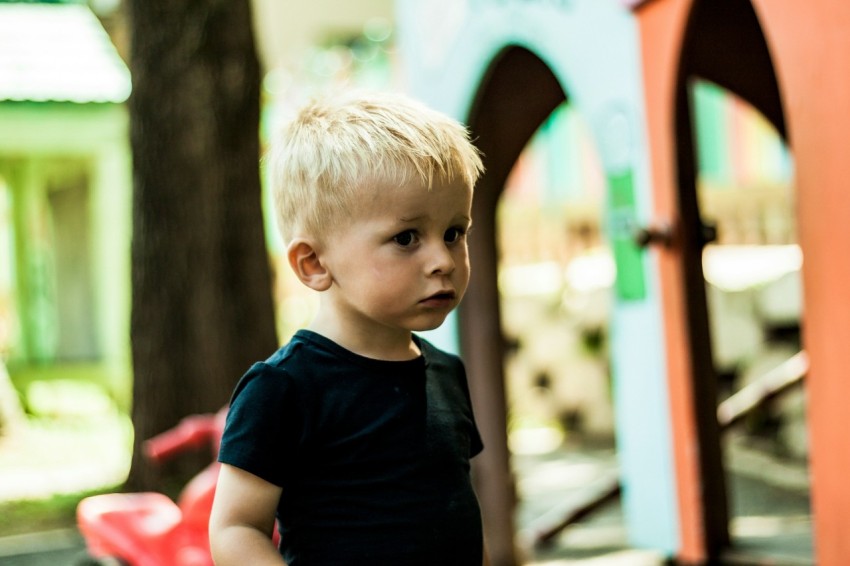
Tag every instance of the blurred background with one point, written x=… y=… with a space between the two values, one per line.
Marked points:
x=565 y=262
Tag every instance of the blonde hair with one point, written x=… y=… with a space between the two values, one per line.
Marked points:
x=335 y=146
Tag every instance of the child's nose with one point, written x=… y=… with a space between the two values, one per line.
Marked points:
x=442 y=260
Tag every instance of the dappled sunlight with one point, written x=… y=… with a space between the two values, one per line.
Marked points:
x=49 y=458
x=76 y=441
x=619 y=558
x=767 y=526
x=735 y=268
x=564 y=473
x=67 y=398
x=535 y=440
x=592 y=271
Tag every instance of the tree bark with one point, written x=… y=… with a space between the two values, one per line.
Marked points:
x=202 y=308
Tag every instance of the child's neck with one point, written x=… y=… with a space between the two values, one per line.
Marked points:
x=393 y=345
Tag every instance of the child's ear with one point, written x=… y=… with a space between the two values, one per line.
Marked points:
x=308 y=267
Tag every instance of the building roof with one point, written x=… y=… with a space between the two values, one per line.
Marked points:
x=55 y=52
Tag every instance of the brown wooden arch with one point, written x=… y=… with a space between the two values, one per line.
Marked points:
x=723 y=43
x=518 y=92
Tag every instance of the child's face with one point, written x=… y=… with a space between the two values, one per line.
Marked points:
x=401 y=264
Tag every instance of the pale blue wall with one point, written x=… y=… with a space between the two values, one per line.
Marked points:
x=592 y=46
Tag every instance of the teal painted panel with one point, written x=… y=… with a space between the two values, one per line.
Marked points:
x=712 y=132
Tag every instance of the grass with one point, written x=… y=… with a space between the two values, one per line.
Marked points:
x=37 y=515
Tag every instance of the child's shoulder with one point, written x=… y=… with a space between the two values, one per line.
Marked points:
x=279 y=366
x=301 y=347
x=283 y=374
x=285 y=354
x=300 y=359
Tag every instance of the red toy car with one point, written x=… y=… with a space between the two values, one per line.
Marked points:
x=149 y=529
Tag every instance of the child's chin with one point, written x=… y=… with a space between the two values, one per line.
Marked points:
x=429 y=325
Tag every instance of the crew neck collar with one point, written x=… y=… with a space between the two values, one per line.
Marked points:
x=375 y=364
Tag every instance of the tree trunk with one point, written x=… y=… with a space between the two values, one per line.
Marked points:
x=202 y=309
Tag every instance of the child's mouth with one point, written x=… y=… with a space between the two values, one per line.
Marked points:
x=439 y=299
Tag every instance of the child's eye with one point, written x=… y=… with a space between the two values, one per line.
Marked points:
x=453 y=234
x=405 y=239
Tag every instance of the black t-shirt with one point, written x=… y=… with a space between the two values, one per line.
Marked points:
x=372 y=456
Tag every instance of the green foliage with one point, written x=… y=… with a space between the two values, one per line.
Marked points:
x=88 y=382
x=594 y=340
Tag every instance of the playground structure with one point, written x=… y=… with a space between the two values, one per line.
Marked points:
x=629 y=69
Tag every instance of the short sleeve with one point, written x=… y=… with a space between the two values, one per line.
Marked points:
x=476 y=445
x=261 y=433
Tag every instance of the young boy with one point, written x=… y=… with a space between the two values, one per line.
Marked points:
x=357 y=434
